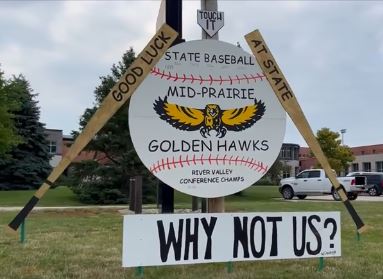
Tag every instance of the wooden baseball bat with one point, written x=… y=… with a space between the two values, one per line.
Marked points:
x=289 y=102
x=118 y=95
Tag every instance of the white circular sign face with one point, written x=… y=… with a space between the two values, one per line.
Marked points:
x=206 y=121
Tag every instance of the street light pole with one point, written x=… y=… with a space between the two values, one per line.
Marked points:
x=343 y=131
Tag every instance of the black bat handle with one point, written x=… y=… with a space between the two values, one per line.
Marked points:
x=16 y=222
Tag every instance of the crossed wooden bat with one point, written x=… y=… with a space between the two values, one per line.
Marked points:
x=138 y=71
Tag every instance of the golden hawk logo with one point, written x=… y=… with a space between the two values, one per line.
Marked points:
x=210 y=118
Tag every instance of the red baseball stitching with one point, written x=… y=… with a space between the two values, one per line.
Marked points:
x=230 y=79
x=172 y=162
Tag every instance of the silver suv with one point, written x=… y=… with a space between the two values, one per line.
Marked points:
x=374 y=183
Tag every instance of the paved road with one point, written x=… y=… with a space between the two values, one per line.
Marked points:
x=362 y=198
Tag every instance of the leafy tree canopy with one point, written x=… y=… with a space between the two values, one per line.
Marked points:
x=8 y=133
x=106 y=179
x=339 y=156
x=28 y=163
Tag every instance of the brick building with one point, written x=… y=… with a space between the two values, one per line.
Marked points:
x=59 y=144
x=367 y=158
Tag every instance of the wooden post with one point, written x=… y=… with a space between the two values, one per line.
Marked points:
x=22 y=232
x=138 y=194
x=214 y=204
x=195 y=203
x=131 y=194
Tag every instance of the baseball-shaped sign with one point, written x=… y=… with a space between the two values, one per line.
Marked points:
x=206 y=121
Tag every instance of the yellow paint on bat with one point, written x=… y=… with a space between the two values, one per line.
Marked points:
x=289 y=102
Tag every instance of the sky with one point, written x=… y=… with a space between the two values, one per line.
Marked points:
x=330 y=52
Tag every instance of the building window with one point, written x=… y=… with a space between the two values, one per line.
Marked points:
x=52 y=147
x=366 y=166
x=286 y=171
x=355 y=167
x=286 y=153
x=379 y=166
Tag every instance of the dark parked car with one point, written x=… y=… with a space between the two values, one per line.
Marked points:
x=374 y=185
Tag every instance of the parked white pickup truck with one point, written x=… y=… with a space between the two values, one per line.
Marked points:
x=315 y=182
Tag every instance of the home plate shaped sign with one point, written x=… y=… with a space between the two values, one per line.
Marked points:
x=206 y=121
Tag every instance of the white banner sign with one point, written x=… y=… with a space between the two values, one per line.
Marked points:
x=206 y=121
x=170 y=239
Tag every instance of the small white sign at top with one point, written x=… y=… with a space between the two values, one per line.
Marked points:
x=210 y=21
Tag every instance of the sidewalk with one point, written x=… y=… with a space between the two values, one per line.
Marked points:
x=123 y=209
x=59 y=208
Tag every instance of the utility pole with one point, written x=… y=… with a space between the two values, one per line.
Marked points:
x=214 y=204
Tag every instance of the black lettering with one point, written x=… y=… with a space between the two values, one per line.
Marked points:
x=287 y=95
x=244 y=145
x=284 y=87
x=185 y=146
x=222 y=145
x=276 y=80
x=207 y=146
x=316 y=234
x=299 y=251
x=165 y=146
x=209 y=228
x=191 y=238
x=274 y=235
x=268 y=63
x=206 y=56
x=265 y=145
x=236 y=93
x=191 y=92
x=172 y=91
x=130 y=79
x=255 y=145
x=171 y=240
x=138 y=71
x=163 y=37
x=146 y=61
x=123 y=87
x=212 y=92
x=157 y=45
x=117 y=95
x=195 y=145
x=257 y=254
x=153 y=146
x=232 y=146
x=240 y=236
x=275 y=70
x=256 y=43
x=154 y=52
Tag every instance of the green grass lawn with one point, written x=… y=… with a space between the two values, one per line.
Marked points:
x=87 y=244
x=60 y=196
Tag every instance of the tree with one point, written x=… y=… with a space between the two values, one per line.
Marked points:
x=339 y=156
x=28 y=163
x=106 y=179
x=8 y=134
